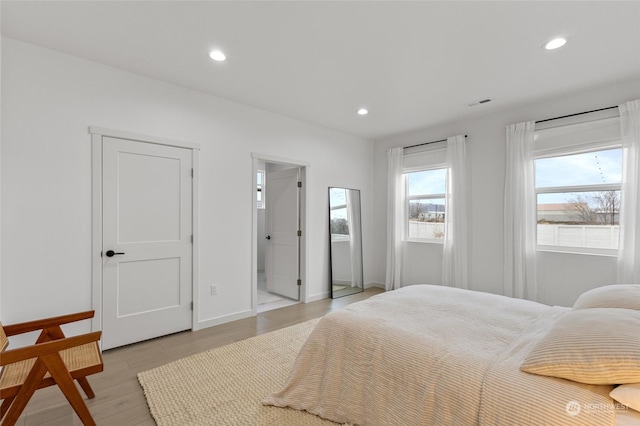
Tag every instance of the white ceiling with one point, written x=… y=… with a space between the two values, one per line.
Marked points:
x=412 y=64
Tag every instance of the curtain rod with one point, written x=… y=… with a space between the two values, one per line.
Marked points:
x=573 y=115
x=426 y=143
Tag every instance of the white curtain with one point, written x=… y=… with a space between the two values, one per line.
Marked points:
x=629 y=252
x=520 y=213
x=355 y=240
x=395 y=217
x=454 y=259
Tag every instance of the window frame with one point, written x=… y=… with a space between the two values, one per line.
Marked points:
x=408 y=198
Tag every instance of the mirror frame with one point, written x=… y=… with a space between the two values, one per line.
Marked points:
x=361 y=289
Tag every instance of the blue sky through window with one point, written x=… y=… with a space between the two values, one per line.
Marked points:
x=592 y=168
x=338 y=197
x=427 y=182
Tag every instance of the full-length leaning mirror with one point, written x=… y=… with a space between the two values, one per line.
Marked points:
x=345 y=242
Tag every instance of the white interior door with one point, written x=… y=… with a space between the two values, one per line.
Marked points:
x=146 y=241
x=282 y=251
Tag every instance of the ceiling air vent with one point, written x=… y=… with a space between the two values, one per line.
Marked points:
x=483 y=101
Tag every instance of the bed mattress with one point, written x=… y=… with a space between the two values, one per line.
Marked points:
x=433 y=355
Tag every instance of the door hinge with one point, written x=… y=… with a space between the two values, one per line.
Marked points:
x=299 y=281
x=299 y=184
x=192 y=239
x=191 y=172
x=299 y=233
x=192 y=306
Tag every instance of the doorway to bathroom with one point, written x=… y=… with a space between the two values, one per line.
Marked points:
x=278 y=233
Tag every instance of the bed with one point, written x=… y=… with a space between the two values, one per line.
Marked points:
x=433 y=355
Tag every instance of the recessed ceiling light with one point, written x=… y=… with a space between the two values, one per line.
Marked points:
x=363 y=111
x=217 y=56
x=555 y=43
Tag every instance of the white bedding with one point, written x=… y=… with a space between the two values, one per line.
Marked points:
x=627 y=417
x=432 y=355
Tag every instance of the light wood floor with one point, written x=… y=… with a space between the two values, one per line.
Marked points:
x=119 y=399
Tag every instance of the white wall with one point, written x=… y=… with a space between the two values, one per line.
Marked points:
x=0 y=173
x=561 y=277
x=50 y=99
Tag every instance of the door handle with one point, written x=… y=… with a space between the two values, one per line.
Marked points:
x=268 y=237
x=111 y=253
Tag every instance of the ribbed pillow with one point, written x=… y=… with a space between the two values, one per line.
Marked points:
x=625 y=296
x=628 y=395
x=599 y=346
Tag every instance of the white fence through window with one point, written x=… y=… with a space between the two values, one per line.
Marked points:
x=592 y=236
x=426 y=230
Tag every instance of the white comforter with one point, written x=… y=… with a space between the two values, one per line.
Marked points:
x=432 y=355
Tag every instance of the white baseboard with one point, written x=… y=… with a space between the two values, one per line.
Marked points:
x=319 y=296
x=327 y=295
x=373 y=284
x=212 y=322
x=224 y=319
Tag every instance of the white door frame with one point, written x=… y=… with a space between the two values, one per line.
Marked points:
x=304 y=212
x=97 y=134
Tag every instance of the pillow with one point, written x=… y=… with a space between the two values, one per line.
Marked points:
x=599 y=346
x=628 y=395
x=610 y=296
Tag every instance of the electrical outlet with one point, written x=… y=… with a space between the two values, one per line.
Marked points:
x=214 y=289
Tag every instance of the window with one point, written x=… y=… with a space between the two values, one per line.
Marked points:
x=260 y=189
x=425 y=192
x=578 y=194
x=338 y=214
x=424 y=172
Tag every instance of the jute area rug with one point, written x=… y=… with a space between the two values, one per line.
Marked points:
x=225 y=386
